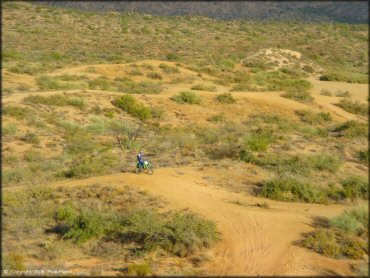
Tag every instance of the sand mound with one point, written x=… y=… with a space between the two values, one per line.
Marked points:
x=277 y=58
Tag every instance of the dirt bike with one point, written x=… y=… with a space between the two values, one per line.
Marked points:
x=145 y=167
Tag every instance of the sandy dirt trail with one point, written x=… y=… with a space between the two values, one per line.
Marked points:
x=255 y=241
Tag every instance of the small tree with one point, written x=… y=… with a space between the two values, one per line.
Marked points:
x=126 y=134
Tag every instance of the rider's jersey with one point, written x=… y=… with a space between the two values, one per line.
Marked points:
x=140 y=157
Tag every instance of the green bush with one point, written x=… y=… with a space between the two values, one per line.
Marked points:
x=186 y=97
x=202 y=87
x=298 y=95
x=356 y=187
x=353 y=107
x=131 y=106
x=292 y=190
x=226 y=98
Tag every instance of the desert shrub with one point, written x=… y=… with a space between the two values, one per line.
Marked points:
x=135 y=72
x=353 y=107
x=53 y=83
x=143 y=87
x=244 y=87
x=55 y=100
x=181 y=234
x=325 y=92
x=260 y=140
x=100 y=84
x=283 y=164
x=72 y=77
x=323 y=241
x=139 y=270
x=226 y=98
x=246 y=156
x=355 y=187
x=190 y=232
x=86 y=166
x=17 y=112
x=157 y=112
x=298 y=95
x=9 y=129
x=343 y=94
x=351 y=129
x=289 y=189
x=202 y=87
x=154 y=75
x=147 y=66
x=224 y=151
x=173 y=57
x=354 y=220
x=131 y=106
x=363 y=156
x=169 y=69
x=83 y=226
x=345 y=77
x=325 y=162
x=186 y=97
x=77 y=102
x=342 y=239
x=31 y=138
x=13 y=261
x=309 y=117
x=216 y=118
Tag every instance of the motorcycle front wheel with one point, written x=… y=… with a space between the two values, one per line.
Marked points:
x=150 y=170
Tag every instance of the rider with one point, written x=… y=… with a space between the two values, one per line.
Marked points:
x=140 y=158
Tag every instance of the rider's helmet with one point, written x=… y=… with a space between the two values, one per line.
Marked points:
x=141 y=152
